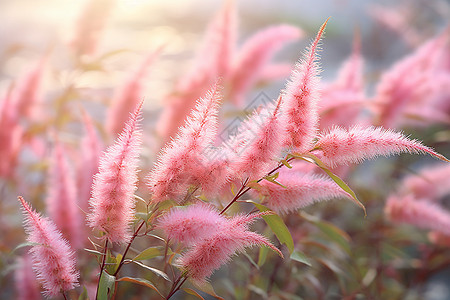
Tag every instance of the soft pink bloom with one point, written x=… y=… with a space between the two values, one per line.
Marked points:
x=274 y=71
x=298 y=190
x=180 y=160
x=300 y=99
x=413 y=83
x=342 y=146
x=420 y=213
x=192 y=223
x=53 y=259
x=90 y=24
x=429 y=184
x=209 y=254
x=258 y=143
x=127 y=97
x=255 y=54
x=91 y=150
x=62 y=204
x=112 y=203
x=27 y=287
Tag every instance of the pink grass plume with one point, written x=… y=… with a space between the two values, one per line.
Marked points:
x=300 y=99
x=53 y=259
x=341 y=146
x=255 y=54
x=62 y=204
x=178 y=161
x=298 y=191
x=112 y=203
x=27 y=287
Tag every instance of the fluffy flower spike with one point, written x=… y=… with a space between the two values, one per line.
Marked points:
x=112 y=203
x=53 y=259
x=341 y=146
x=300 y=99
x=179 y=159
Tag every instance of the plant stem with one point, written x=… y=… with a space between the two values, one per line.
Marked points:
x=176 y=286
x=102 y=267
x=64 y=295
x=128 y=248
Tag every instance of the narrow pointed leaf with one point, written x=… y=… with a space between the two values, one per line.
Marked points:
x=141 y=281
x=300 y=257
x=192 y=292
x=148 y=253
x=154 y=270
x=106 y=286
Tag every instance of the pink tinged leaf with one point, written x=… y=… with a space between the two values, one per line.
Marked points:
x=91 y=149
x=420 y=213
x=61 y=198
x=439 y=238
x=257 y=144
x=112 y=203
x=300 y=99
x=128 y=96
x=255 y=54
x=27 y=288
x=191 y=224
x=53 y=259
x=178 y=162
x=341 y=146
x=298 y=190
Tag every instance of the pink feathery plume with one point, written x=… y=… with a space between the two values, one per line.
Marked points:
x=26 y=95
x=91 y=149
x=260 y=142
x=127 y=97
x=274 y=71
x=409 y=82
x=11 y=134
x=300 y=99
x=298 y=190
x=27 y=287
x=90 y=24
x=62 y=204
x=191 y=224
x=112 y=203
x=430 y=184
x=342 y=146
x=255 y=54
x=208 y=255
x=179 y=159
x=420 y=213
x=53 y=259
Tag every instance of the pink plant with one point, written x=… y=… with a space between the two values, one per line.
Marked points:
x=259 y=142
x=180 y=158
x=298 y=190
x=255 y=54
x=191 y=224
x=208 y=255
x=421 y=213
x=27 y=288
x=62 y=204
x=341 y=146
x=112 y=203
x=53 y=259
x=300 y=99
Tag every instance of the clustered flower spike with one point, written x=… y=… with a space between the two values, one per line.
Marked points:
x=342 y=146
x=178 y=162
x=298 y=190
x=53 y=259
x=216 y=246
x=112 y=203
x=300 y=100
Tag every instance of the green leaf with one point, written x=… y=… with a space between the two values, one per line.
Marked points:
x=84 y=294
x=141 y=281
x=300 y=257
x=192 y=292
x=154 y=270
x=286 y=163
x=334 y=233
x=251 y=260
x=263 y=251
x=106 y=286
x=26 y=244
x=93 y=251
x=206 y=287
x=277 y=225
x=148 y=253
x=336 y=179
